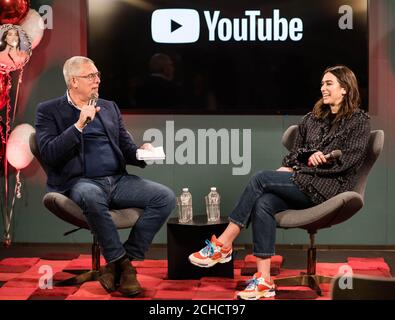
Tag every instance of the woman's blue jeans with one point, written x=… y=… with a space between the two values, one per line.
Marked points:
x=97 y=196
x=267 y=193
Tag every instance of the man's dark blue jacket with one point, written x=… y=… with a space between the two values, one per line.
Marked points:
x=60 y=142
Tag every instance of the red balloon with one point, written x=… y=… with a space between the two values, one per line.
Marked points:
x=13 y=11
x=4 y=89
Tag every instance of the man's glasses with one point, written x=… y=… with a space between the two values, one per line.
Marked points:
x=91 y=76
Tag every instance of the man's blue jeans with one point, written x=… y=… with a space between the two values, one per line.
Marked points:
x=267 y=193
x=97 y=196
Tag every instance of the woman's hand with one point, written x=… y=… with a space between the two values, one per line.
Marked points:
x=316 y=159
x=286 y=169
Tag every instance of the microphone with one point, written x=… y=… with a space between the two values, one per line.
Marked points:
x=334 y=155
x=92 y=102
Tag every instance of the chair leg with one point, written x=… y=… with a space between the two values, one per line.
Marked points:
x=310 y=279
x=95 y=254
x=85 y=275
x=79 y=279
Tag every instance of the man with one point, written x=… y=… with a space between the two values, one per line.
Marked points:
x=159 y=89
x=86 y=148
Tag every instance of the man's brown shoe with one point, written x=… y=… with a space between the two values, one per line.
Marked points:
x=107 y=277
x=128 y=285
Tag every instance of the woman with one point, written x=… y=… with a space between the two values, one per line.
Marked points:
x=306 y=178
x=10 y=54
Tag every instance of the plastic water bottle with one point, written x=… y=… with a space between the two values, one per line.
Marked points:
x=185 y=214
x=213 y=201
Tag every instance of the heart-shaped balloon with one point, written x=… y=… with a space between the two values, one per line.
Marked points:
x=13 y=11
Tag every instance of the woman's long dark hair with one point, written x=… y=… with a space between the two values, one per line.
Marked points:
x=351 y=100
x=3 y=43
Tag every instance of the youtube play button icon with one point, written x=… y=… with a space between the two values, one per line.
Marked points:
x=175 y=26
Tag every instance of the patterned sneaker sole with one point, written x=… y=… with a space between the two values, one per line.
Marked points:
x=256 y=295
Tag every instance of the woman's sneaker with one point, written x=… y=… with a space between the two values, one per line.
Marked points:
x=213 y=253
x=257 y=288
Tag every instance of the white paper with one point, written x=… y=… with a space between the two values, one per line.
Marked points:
x=151 y=154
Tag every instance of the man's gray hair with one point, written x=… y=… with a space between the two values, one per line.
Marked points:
x=72 y=67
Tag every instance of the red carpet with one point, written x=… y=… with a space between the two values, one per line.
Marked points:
x=19 y=280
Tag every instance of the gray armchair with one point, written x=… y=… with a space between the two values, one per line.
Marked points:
x=67 y=210
x=331 y=212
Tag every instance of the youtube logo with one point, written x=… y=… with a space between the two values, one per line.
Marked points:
x=175 y=26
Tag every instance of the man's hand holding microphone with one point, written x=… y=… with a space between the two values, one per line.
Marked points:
x=88 y=112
